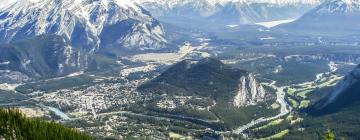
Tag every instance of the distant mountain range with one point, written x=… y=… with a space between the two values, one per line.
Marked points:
x=229 y=11
x=336 y=16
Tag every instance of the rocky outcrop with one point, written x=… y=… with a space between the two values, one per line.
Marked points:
x=250 y=92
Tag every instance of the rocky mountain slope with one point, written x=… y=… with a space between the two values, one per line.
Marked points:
x=208 y=78
x=337 y=109
x=86 y=24
x=343 y=95
x=41 y=56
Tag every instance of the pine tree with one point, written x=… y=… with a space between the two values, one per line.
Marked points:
x=329 y=135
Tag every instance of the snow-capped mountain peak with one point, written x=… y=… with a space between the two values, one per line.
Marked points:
x=223 y=2
x=86 y=23
x=332 y=16
x=229 y=11
x=339 y=6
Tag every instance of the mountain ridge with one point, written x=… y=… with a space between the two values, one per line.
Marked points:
x=83 y=23
x=222 y=2
x=229 y=11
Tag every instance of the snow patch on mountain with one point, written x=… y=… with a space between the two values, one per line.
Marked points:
x=271 y=24
x=232 y=25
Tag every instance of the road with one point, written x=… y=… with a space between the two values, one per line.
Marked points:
x=167 y=117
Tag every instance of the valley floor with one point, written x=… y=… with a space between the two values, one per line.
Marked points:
x=108 y=104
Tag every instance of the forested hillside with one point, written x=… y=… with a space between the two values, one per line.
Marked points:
x=15 y=126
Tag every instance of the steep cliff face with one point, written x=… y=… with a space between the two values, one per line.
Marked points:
x=208 y=78
x=250 y=92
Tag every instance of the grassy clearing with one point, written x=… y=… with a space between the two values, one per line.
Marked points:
x=293 y=103
x=330 y=82
x=296 y=121
x=291 y=91
x=176 y=136
x=304 y=104
x=303 y=93
x=275 y=106
x=290 y=117
x=276 y=136
x=272 y=123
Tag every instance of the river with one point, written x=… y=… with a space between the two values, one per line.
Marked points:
x=59 y=113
